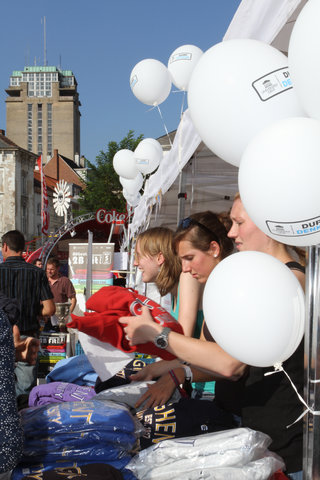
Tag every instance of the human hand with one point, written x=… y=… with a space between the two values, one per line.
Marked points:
x=158 y=393
x=141 y=328
x=26 y=349
x=154 y=370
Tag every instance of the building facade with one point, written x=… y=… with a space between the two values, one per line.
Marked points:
x=16 y=188
x=43 y=111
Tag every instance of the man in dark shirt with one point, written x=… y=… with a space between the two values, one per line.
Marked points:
x=28 y=284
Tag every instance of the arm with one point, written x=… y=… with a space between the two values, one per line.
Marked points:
x=73 y=301
x=48 y=308
x=190 y=294
x=205 y=355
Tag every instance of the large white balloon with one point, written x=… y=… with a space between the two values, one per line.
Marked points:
x=133 y=185
x=150 y=81
x=181 y=64
x=237 y=88
x=279 y=181
x=124 y=164
x=254 y=308
x=147 y=156
x=303 y=58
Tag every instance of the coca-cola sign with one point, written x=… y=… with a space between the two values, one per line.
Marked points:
x=110 y=216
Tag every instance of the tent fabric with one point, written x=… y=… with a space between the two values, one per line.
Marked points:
x=260 y=20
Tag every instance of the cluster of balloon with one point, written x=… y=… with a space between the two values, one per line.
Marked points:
x=124 y=164
x=280 y=166
x=266 y=329
x=181 y=64
x=148 y=155
x=237 y=88
x=132 y=200
x=150 y=82
x=132 y=185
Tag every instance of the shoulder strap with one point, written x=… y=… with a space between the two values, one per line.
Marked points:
x=296 y=266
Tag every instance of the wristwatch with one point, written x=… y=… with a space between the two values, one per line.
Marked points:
x=161 y=340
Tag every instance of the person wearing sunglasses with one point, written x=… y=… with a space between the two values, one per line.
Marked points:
x=267 y=403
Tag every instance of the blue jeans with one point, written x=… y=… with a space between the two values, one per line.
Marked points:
x=295 y=475
x=26 y=377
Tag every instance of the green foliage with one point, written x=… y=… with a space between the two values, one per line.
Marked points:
x=103 y=189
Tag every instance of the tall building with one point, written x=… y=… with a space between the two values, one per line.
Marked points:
x=43 y=111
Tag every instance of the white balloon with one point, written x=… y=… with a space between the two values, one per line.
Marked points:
x=237 y=88
x=279 y=181
x=303 y=55
x=124 y=164
x=254 y=308
x=132 y=200
x=181 y=64
x=154 y=142
x=132 y=185
x=147 y=157
x=150 y=81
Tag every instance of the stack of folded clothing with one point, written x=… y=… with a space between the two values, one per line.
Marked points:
x=83 y=432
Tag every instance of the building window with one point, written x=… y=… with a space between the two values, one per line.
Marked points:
x=49 y=129
x=39 y=229
x=39 y=84
x=30 y=127
x=39 y=208
x=39 y=128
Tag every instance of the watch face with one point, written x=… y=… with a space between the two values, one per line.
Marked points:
x=162 y=342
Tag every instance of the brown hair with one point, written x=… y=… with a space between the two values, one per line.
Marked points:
x=207 y=227
x=160 y=240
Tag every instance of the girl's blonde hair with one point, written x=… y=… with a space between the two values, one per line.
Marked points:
x=160 y=240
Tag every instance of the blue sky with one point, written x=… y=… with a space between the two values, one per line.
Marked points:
x=101 y=41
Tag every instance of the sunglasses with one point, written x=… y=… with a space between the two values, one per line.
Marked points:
x=187 y=222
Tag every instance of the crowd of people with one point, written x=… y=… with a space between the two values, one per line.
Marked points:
x=223 y=392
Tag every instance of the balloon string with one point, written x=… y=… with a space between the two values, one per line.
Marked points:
x=165 y=127
x=182 y=105
x=279 y=368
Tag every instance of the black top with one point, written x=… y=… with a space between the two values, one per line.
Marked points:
x=28 y=284
x=11 y=434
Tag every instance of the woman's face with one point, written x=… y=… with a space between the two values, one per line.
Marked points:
x=246 y=235
x=148 y=265
x=198 y=263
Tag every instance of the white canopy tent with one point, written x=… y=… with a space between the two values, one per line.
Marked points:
x=208 y=182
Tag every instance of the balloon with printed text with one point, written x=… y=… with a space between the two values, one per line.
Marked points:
x=279 y=181
x=181 y=64
x=237 y=88
x=150 y=81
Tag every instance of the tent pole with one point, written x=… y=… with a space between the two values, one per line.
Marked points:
x=181 y=197
x=311 y=432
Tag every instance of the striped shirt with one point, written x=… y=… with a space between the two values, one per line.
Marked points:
x=28 y=284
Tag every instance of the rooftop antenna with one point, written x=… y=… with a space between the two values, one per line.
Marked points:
x=44 y=42
x=60 y=62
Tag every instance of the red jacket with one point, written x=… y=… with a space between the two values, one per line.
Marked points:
x=110 y=303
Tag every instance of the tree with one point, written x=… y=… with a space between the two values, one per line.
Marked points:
x=102 y=186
